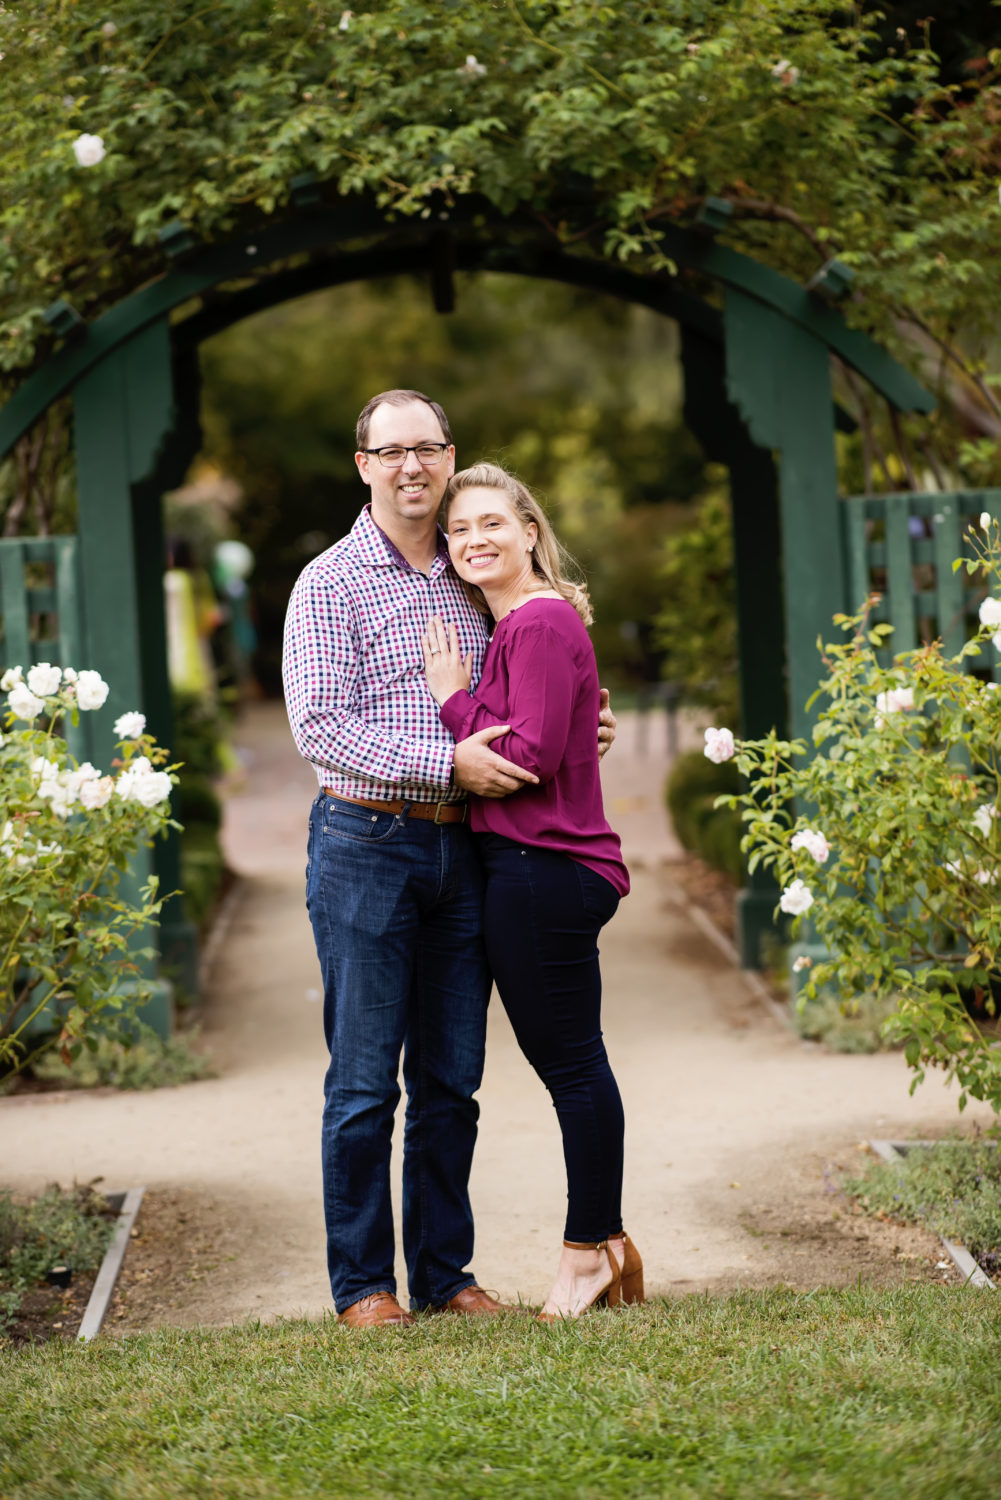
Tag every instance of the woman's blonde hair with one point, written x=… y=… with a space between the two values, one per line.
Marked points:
x=551 y=562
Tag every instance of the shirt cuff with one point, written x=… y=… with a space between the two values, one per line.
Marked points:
x=455 y=712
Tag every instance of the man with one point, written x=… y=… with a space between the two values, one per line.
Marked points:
x=393 y=885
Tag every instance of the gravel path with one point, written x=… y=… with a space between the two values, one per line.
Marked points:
x=736 y=1131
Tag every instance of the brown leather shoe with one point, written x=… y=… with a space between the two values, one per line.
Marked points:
x=380 y=1309
x=474 y=1302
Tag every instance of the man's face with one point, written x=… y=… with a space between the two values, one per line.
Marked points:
x=413 y=491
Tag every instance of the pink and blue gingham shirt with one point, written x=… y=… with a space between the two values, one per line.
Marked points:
x=355 y=690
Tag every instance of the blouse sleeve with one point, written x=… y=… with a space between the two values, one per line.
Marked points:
x=543 y=678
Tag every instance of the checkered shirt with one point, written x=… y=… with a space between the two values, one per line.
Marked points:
x=355 y=690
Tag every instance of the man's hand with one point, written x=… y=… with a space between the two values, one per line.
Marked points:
x=479 y=769
x=607 y=723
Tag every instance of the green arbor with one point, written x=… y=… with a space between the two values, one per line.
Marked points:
x=758 y=396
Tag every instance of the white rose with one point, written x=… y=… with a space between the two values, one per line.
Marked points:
x=719 y=745
x=784 y=71
x=95 y=794
x=472 y=67
x=139 y=769
x=61 y=796
x=985 y=520
x=150 y=789
x=91 y=690
x=84 y=773
x=130 y=726
x=796 y=899
x=990 y=613
x=984 y=816
x=996 y=641
x=88 y=150
x=69 y=674
x=23 y=704
x=814 y=843
x=12 y=678
x=44 y=680
x=894 y=701
x=43 y=769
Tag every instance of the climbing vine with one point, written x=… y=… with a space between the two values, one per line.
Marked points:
x=828 y=132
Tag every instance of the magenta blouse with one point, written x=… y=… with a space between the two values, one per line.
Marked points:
x=540 y=676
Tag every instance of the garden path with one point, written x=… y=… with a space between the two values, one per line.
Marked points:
x=735 y=1127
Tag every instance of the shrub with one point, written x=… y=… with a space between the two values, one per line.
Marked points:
x=888 y=836
x=693 y=788
x=844 y=1025
x=697 y=625
x=66 y=835
x=202 y=870
x=196 y=800
x=145 y=1062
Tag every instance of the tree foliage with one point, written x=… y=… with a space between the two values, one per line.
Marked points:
x=828 y=132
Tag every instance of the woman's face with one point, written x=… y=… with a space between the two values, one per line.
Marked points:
x=488 y=544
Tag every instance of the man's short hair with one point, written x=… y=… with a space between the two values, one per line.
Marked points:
x=398 y=398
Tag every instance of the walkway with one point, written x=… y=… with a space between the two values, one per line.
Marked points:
x=734 y=1126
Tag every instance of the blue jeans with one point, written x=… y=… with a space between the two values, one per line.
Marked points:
x=542 y=916
x=396 y=909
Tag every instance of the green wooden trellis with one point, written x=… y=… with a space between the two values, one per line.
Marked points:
x=41 y=610
x=902 y=547
x=758 y=393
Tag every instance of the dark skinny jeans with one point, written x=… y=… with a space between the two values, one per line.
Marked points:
x=543 y=912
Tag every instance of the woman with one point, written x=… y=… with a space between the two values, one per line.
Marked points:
x=553 y=866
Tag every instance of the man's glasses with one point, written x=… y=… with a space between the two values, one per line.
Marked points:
x=425 y=453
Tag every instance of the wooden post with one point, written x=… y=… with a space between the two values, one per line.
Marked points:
x=778 y=376
x=758 y=577
x=124 y=419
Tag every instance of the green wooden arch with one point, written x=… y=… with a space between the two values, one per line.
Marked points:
x=758 y=395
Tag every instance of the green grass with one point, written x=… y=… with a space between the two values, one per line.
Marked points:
x=857 y=1394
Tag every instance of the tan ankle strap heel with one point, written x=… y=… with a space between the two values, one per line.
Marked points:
x=632 y=1271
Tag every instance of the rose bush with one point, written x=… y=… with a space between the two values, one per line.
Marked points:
x=66 y=834
x=886 y=833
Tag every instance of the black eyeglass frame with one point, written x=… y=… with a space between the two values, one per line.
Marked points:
x=414 y=449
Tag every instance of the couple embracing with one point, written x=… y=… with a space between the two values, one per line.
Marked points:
x=436 y=863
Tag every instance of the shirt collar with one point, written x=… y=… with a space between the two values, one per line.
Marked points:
x=376 y=547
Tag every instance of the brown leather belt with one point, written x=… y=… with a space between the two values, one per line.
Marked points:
x=434 y=812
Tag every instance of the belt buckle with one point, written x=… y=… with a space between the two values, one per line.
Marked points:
x=437 y=812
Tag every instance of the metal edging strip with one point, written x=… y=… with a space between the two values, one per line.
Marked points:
x=107 y=1276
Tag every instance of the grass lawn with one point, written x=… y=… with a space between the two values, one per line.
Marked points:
x=858 y=1393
